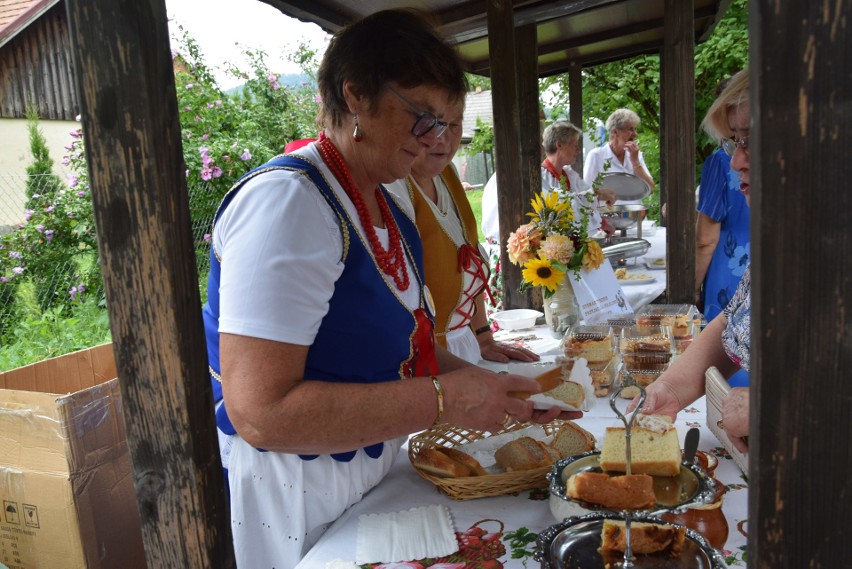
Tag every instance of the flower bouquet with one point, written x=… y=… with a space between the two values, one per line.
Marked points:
x=555 y=241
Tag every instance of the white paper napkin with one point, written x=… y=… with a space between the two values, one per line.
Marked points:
x=412 y=534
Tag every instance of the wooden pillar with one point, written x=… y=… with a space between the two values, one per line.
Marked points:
x=575 y=108
x=529 y=135
x=514 y=197
x=801 y=213
x=124 y=76
x=677 y=157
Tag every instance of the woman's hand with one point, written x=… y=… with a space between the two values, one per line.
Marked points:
x=632 y=146
x=735 y=417
x=495 y=351
x=660 y=399
x=479 y=399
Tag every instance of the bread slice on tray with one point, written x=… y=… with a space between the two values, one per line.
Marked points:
x=654 y=447
x=634 y=492
x=645 y=538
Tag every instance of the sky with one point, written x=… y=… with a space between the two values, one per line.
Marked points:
x=221 y=27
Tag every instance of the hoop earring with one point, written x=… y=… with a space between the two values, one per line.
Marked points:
x=357 y=135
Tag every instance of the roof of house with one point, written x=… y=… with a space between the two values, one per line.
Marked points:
x=16 y=15
x=477 y=105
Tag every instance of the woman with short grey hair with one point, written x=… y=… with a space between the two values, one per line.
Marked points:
x=621 y=153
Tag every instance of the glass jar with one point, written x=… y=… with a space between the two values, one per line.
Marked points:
x=564 y=310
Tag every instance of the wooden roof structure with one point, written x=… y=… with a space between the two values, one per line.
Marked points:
x=800 y=506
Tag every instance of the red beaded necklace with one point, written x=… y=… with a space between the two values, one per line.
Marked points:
x=392 y=261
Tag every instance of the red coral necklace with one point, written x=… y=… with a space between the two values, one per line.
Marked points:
x=392 y=261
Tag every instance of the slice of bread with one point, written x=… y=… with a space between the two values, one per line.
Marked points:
x=553 y=377
x=645 y=538
x=436 y=463
x=525 y=453
x=654 y=447
x=464 y=458
x=569 y=392
x=634 y=492
x=572 y=439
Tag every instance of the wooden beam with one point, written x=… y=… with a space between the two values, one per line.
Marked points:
x=575 y=108
x=801 y=244
x=126 y=85
x=510 y=188
x=529 y=134
x=677 y=156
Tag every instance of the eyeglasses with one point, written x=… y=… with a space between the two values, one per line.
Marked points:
x=729 y=145
x=425 y=122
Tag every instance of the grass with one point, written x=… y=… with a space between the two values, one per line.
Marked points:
x=475 y=199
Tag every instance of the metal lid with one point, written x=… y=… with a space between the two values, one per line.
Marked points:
x=626 y=186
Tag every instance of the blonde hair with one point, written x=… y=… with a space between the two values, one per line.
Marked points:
x=735 y=94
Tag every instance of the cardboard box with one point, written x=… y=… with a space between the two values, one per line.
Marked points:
x=66 y=483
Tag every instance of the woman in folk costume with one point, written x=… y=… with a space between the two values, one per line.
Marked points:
x=456 y=271
x=562 y=142
x=319 y=326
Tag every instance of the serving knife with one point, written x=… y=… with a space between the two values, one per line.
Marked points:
x=690 y=445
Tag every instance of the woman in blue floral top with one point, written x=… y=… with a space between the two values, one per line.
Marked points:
x=726 y=341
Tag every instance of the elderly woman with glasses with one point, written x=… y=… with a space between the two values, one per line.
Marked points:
x=726 y=342
x=319 y=324
x=621 y=153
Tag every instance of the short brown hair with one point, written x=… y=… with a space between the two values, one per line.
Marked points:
x=390 y=45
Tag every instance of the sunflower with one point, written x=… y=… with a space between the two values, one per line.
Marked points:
x=541 y=272
x=551 y=213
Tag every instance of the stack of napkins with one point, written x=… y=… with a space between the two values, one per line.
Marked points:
x=412 y=534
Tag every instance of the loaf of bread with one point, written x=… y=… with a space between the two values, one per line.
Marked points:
x=645 y=538
x=654 y=447
x=634 y=492
x=525 y=453
x=465 y=459
x=572 y=439
x=436 y=463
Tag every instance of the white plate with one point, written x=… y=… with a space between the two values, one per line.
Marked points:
x=658 y=263
x=637 y=281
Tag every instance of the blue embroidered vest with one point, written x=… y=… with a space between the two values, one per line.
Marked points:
x=366 y=335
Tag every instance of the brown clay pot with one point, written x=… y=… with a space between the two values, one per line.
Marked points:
x=708 y=519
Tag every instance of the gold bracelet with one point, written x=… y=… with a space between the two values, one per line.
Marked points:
x=440 y=391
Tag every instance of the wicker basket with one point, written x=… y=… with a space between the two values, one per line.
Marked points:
x=470 y=487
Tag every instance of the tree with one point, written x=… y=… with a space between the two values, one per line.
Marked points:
x=635 y=84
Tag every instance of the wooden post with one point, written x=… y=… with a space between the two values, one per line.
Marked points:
x=126 y=86
x=513 y=196
x=677 y=160
x=801 y=211
x=575 y=109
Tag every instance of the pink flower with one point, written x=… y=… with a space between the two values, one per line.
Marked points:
x=207 y=238
x=197 y=118
x=246 y=155
x=217 y=172
x=4 y=280
x=81 y=194
x=206 y=174
x=48 y=234
x=78 y=133
x=523 y=243
x=40 y=228
x=28 y=214
x=318 y=99
x=72 y=180
x=189 y=86
x=18 y=270
x=218 y=102
x=205 y=137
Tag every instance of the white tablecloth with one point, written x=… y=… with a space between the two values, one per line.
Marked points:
x=505 y=517
x=639 y=295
